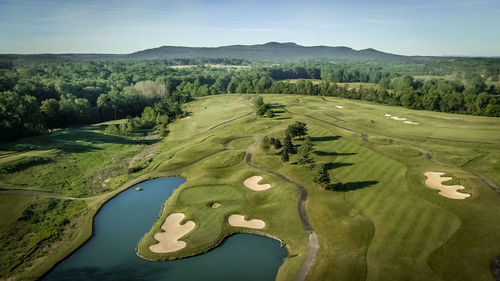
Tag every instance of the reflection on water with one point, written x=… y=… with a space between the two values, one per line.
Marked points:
x=120 y=224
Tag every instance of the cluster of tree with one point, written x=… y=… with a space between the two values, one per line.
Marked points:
x=435 y=94
x=318 y=171
x=151 y=118
x=72 y=92
x=262 y=108
x=36 y=97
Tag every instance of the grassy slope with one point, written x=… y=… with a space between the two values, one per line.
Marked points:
x=390 y=225
x=403 y=211
x=11 y=205
x=74 y=162
x=219 y=178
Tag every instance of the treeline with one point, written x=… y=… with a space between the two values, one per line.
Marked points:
x=37 y=97
x=41 y=96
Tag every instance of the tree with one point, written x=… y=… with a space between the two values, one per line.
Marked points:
x=262 y=110
x=284 y=156
x=19 y=116
x=296 y=129
x=148 y=117
x=304 y=153
x=288 y=145
x=270 y=113
x=112 y=129
x=265 y=143
x=150 y=89
x=50 y=112
x=478 y=84
x=258 y=101
x=320 y=175
x=277 y=144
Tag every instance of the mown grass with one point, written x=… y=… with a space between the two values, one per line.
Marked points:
x=219 y=178
x=385 y=224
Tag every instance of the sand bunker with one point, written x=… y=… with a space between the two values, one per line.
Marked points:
x=215 y=205
x=239 y=221
x=339 y=106
x=168 y=240
x=406 y=121
x=434 y=180
x=187 y=117
x=252 y=183
x=398 y=118
x=322 y=107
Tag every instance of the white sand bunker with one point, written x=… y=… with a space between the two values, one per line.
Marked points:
x=406 y=121
x=239 y=221
x=169 y=240
x=434 y=180
x=398 y=118
x=252 y=183
x=215 y=205
x=339 y=106
x=322 y=107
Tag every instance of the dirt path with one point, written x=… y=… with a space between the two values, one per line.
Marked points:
x=485 y=179
x=427 y=154
x=313 y=246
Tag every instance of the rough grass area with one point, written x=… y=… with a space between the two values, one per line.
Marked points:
x=11 y=206
x=42 y=223
x=383 y=224
x=377 y=220
x=74 y=162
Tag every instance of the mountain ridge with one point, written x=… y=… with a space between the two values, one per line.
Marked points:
x=270 y=51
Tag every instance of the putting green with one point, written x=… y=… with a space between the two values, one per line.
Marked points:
x=383 y=225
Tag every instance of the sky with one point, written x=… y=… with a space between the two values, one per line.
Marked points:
x=438 y=27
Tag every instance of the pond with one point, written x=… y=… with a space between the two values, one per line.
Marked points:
x=123 y=221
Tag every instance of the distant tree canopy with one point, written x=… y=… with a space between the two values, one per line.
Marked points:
x=43 y=94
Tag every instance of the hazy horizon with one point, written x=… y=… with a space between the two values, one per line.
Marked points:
x=435 y=28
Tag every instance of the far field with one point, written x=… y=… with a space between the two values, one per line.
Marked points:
x=383 y=223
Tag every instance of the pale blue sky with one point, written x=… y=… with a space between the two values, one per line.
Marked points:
x=439 y=27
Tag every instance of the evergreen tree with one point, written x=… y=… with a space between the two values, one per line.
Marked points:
x=304 y=153
x=277 y=144
x=264 y=143
x=320 y=175
x=284 y=156
x=288 y=145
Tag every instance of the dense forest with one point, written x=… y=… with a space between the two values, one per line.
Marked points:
x=36 y=96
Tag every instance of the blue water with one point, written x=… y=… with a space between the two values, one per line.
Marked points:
x=123 y=221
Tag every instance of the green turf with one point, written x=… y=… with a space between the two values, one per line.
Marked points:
x=11 y=205
x=386 y=224
x=74 y=162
